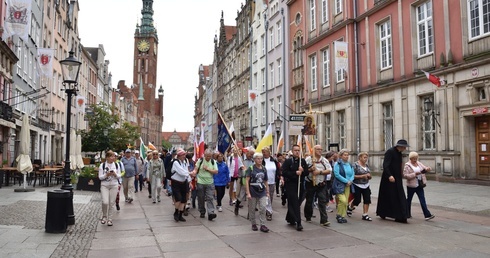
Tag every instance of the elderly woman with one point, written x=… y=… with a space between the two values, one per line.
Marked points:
x=109 y=175
x=344 y=175
x=257 y=191
x=156 y=174
x=272 y=167
x=180 y=176
x=414 y=173
x=221 y=180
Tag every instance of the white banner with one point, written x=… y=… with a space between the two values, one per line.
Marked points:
x=17 y=19
x=253 y=98
x=341 y=56
x=80 y=103
x=45 y=61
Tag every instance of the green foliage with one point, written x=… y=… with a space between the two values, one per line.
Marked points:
x=166 y=144
x=105 y=118
x=89 y=172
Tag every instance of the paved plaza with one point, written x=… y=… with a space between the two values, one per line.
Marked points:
x=143 y=229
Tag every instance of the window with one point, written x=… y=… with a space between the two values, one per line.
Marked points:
x=328 y=129
x=279 y=103
x=313 y=72
x=254 y=49
x=326 y=67
x=312 y=15
x=271 y=32
x=279 y=72
x=254 y=82
x=429 y=127
x=262 y=39
x=482 y=95
x=20 y=43
x=29 y=72
x=340 y=75
x=279 y=32
x=338 y=6
x=342 y=130
x=271 y=68
x=56 y=49
x=479 y=17
x=385 y=44
x=272 y=109
x=262 y=73
x=388 y=125
x=425 y=31
x=324 y=11
x=262 y=109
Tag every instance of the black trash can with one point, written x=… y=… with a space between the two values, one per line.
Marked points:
x=56 y=211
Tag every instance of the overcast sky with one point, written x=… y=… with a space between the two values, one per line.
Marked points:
x=186 y=30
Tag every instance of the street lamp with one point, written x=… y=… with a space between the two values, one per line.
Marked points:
x=70 y=67
x=277 y=125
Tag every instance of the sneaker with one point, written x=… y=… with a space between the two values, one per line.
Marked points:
x=211 y=216
x=340 y=219
x=109 y=223
x=430 y=217
x=349 y=213
x=308 y=219
x=264 y=229
x=130 y=200
x=149 y=196
x=325 y=224
x=268 y=216
x=236 y=210
x=231 y=203
x=219 y=208
x=315 y=205
x=366 y=217
x=117 y=207
x=202 y=215
x=158 y=198
x=254 y=227
x=278 y=195
x=329 y=209
x=299 y=227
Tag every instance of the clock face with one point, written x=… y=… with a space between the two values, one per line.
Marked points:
x=143 y=45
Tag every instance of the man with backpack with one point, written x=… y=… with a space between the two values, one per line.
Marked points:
x=205 y=169
x=167 y=160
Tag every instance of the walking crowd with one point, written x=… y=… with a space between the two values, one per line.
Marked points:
x=323 y=180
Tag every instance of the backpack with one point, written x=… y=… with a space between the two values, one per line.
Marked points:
x=200 y=164
x=115 y=163
x=168 y=169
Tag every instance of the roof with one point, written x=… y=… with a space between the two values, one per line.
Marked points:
x=230 y=31
x=183 y=135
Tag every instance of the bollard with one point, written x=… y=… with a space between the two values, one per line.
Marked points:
x=56 y=211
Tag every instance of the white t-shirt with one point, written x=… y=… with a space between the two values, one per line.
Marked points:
x=270 y=165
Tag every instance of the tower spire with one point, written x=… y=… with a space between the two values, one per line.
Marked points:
x=146 y=26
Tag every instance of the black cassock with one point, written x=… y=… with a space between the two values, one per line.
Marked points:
x=289 y=169
x=392 y=201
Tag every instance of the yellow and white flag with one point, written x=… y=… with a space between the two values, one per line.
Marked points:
x=266 y=140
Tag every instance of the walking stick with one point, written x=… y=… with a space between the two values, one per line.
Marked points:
x=300 y=157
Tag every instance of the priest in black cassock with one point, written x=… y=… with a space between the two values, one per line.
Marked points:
x=392 y=201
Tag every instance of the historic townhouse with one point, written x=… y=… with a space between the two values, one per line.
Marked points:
x=382 y=94
x=278 y=88
x=200 y=103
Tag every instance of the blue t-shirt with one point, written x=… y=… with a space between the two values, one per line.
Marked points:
x=258 y=180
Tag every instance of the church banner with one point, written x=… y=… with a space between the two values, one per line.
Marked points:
x=341 y=56
x=45 y=61
x=17 y=19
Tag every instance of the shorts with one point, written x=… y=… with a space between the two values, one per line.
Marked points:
x=179 y=191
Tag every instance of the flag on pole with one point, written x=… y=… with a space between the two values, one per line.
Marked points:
x=17 y=19
x=200 y=154
x=151 y=146
x=143 y=149
x=232 y=130
x=266 y=140
x=80 y=100
x=45 y=61
x=341 y=57
x=308 y=146
x=280 y=143
x=252 y=98
x=196 y=147
x=224 y=139
x=434 y=79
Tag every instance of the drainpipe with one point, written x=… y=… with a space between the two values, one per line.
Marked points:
x=357 y=99
x=284 y=84
x=266 y=27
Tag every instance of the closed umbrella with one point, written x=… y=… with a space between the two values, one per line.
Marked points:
x=79 y=158
x=24 y=164
x=73 y=146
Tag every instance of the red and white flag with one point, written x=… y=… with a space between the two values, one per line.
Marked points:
x=80 y=103
x=201 y=145
x=196 y=147
x=45 y=61
x=253 y=96
x=434 y=79
x=280 y=143
x=17 y=19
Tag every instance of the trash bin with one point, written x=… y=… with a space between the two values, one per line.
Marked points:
x=56 y=211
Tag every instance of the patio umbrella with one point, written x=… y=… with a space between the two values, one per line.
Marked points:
x=24 y=164
x=79 y=158
x=73 y=147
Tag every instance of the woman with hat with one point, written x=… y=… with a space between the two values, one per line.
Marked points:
x=180 y=175
x=392 y=202
x=156 y=175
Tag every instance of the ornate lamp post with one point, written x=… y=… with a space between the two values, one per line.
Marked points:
x=70 y=67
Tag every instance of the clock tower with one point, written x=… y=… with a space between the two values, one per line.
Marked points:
x=150 y=108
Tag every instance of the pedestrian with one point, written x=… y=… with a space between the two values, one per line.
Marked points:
x=316 y=185
x=235 y=166
x=414 y=173
x=241 y=192
x=392 y=202
x=109 y=173
x=332 y=157
x=362 y=175
x=272 y=167
x=193 y=180
x=138 y=180
x=149 y=156
x=279 y=187
x=344 y=175
x=156 y=175
x=131 y=168
x=167 y=160
x=205 y=169
x=180 y=184
x=257 y=191
x=294 y=171
x=221 y=180
x=121 y=168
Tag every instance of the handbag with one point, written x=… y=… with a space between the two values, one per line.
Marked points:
x=421 y=183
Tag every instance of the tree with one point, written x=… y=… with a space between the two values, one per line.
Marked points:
x=166 y=144
x=103 y=132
